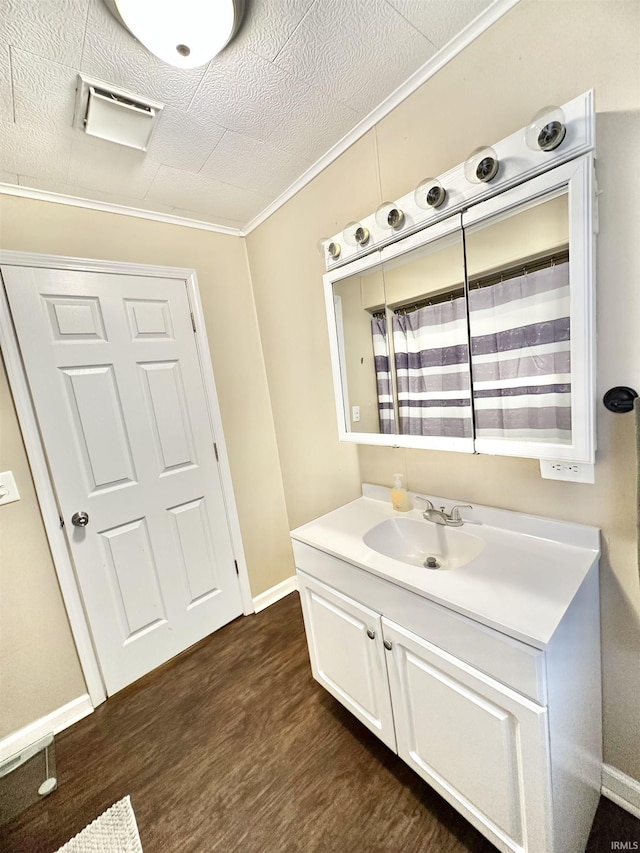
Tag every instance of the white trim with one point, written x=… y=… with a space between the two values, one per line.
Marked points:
x=120 y=209
x=54 y=722
x=463 y=39
x=275 y=593
x=621 y=789
x=37 y=459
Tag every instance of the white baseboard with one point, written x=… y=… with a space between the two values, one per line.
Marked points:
x=622 y=789
x=270 y=596
x=54 y=722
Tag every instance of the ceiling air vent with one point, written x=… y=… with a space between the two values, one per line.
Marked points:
x=114 y=114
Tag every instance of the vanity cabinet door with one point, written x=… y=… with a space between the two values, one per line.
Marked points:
x=481 y=746
x=347 y=655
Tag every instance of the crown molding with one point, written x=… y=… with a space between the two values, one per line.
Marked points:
x=120 y=209
x=443 y=56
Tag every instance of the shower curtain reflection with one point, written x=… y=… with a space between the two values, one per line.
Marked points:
x=432 y=370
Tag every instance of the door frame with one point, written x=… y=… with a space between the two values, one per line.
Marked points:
x=36 y=455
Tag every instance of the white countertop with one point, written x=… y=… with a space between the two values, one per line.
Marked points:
x=521 y=584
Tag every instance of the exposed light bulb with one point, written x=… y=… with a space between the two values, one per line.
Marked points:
x=429 y=193
x=333 y=250
x=355 y=234
x=546 y=130
x=389 y=216
x=481 y=165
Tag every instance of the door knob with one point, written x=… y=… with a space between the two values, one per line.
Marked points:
x=80 y=519
x=371 y=634
x=387 y=644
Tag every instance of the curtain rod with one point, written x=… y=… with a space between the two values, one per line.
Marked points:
x=521 y=268
x=533 y=264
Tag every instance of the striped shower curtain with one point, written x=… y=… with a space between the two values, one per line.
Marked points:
x=520 y=357
x=432 y=371
x=386 y=417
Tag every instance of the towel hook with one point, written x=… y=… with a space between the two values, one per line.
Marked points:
x=619 y=399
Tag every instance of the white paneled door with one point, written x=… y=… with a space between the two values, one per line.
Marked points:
x=117 y=387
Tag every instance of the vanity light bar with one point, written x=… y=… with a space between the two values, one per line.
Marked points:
x=518 y=157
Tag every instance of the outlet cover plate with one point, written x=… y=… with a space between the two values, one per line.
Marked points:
x=571 y=472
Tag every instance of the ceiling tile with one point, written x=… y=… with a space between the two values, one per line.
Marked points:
x=208 y=198
x=439 y=20
x=333 y=48
x=44 y=91
x=51 y=28
x=245 y=93
x=101 y=22
x=183 y=141
x=99 y=165
x=34 y=151
x=6 y=93
x=245 y=158
x=302 y=130
x=269 y=23
x=113 y=55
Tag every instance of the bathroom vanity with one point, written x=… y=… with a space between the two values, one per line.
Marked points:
x=483 y=674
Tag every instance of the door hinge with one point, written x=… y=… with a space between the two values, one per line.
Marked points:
x=215 y=450
x=193 y=322
x=235 y=563
x=61 y=522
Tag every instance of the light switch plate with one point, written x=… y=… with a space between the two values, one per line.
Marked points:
x=8 y=489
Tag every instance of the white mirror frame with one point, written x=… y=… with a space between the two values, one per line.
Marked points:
x=577 y=175
x=336 y=343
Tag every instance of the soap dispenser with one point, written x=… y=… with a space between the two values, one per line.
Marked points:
x=399 y=495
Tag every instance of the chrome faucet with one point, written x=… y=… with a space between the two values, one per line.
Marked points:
x=441 y=516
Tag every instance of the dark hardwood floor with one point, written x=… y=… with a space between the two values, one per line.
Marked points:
x=233 y=746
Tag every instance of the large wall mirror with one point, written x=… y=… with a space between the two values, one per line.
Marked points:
x=475 y=334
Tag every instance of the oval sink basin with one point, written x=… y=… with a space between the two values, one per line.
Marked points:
x=415 y=542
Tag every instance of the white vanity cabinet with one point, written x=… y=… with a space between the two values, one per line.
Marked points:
x=478 y=743
x=347 y=655
x=509 y=734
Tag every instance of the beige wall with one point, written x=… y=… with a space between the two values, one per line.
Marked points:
x=38 y=665
x=541 y=52
x=318 y=472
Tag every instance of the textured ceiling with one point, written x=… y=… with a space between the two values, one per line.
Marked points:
x=234 y=134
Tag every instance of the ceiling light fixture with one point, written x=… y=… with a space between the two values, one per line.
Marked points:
x=185 y=34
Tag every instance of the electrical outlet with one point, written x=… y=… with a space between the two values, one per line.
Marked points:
x=8 y=489
x=572 y=472
x=355 y=414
